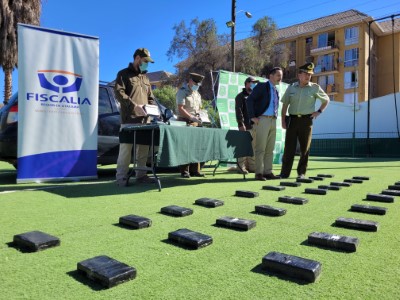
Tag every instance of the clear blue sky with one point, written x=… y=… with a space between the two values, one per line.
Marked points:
x=124 y=25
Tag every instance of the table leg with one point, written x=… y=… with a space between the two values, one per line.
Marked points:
x=240 y=168
x=153 y=167
x=237 y=163
x=133 y=159
x=216 y=167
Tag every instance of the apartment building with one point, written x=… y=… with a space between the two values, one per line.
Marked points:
x=340 y=46
x=158 y=78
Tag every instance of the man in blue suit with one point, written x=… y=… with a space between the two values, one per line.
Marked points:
x=262 y=108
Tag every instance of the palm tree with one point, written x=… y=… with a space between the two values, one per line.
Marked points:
x=13 y=12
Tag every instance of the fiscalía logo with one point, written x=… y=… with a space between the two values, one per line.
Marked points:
x=59 y=81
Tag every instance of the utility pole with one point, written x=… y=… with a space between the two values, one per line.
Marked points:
x=233 y=19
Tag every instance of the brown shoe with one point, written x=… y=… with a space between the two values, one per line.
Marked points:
x=145 y=179
x=271 y=176
x=260 y=177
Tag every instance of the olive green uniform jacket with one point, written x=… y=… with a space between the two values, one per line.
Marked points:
x=132 y=88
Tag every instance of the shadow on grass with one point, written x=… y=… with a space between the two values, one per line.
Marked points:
x=379 y=202
x=205 y=206
x=24 y=249
x=372 y=229
x=176 y=244
x=20 y=249
x=260 y=270
x=172 y=215
x=230 y=228
x=95 y=188
x=9 y=177
x=367 y=213
x=123 y=226
x=306 y=243
x=81 y=277
x=266 y=215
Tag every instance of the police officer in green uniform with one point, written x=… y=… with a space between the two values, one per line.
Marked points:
x=299 y=100
x=188 y=101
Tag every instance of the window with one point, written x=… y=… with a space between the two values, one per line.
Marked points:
x=308 y=46
x=153 y=86
x=104 y=102
x=325 y=63
x=327 y=83
x=322 y=40
x=351 y=98
x=326 y=40
x=292 y=51
x=350 y=79
x=351 y=36
x=351 y=57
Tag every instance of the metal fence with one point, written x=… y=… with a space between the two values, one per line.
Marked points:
x=358 y=144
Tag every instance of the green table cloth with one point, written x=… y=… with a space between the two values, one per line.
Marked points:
x=182 y=145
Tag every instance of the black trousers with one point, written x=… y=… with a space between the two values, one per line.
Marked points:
x=300 y=129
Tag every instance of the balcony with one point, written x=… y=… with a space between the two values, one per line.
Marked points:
x=325 y=69
x=331 y=47
x=351 y=85
x=331 y=89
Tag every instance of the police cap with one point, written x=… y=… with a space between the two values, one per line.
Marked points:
x=307 y=68
x=197 y=78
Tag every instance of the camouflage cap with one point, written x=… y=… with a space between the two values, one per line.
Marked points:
x=144 y=53
x=197 y=78
x=307 y=68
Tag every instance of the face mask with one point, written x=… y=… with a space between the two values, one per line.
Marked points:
x=252 y=85
x=195 y=87
x=143 y=66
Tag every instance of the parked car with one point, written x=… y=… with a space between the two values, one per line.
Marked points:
x=108 y=127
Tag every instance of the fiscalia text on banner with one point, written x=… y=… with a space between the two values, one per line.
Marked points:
x=58 y=75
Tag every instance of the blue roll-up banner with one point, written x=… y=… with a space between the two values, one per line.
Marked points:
x=58 y=76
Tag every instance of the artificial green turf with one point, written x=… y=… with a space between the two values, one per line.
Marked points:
x=84 y=216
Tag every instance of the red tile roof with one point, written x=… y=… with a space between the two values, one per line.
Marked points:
x=340 y=19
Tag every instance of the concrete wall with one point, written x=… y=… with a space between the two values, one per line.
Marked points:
x=337 y=120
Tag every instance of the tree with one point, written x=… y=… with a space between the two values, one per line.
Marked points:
x=256 y=52
x=202 y=51
x=13 y=12
x=167 y=96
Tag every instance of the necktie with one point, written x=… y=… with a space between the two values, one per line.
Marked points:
x=276 y=104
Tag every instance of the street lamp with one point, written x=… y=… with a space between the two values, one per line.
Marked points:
x=355 y=98
x=232 y=24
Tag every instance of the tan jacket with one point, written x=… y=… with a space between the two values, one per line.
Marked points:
x=132 y=88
